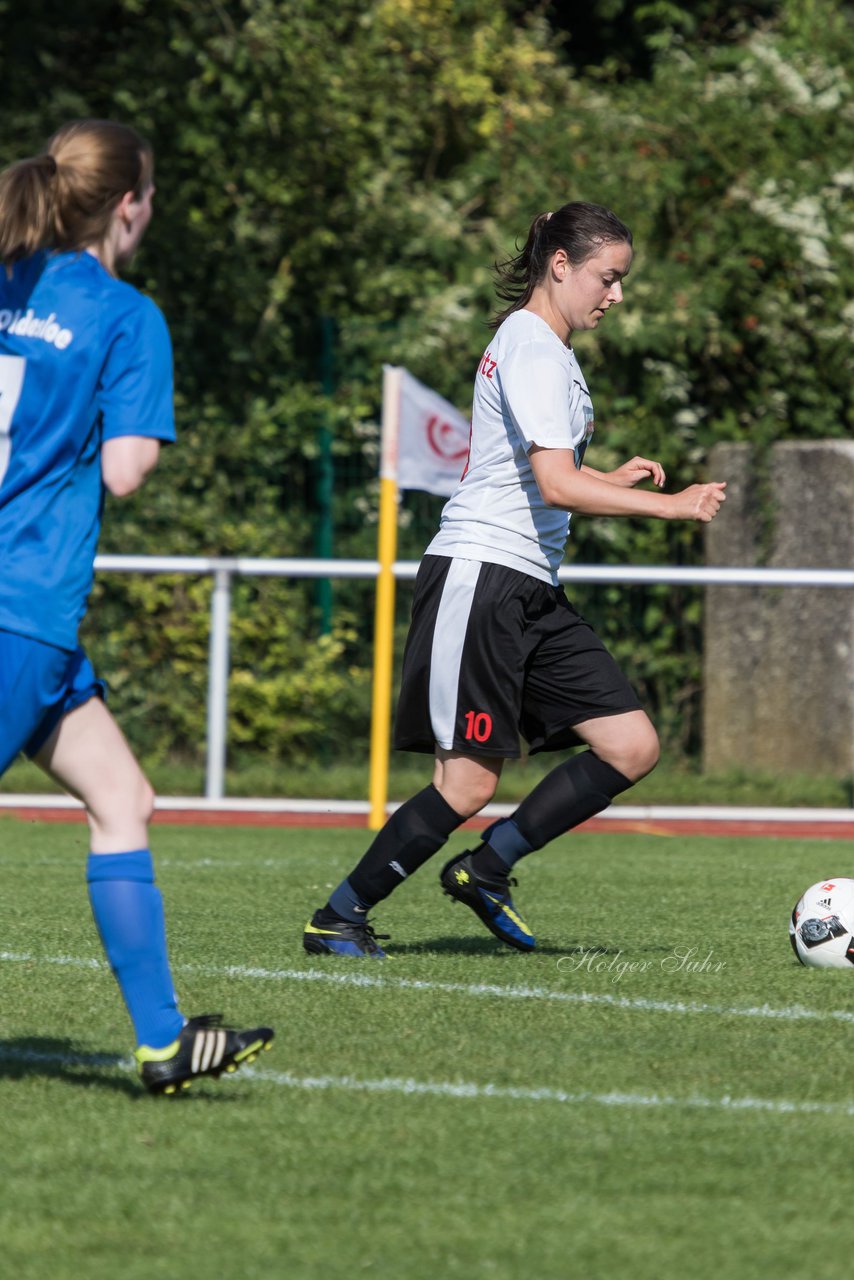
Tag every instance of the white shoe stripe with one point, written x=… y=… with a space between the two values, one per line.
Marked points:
x=208 y=1050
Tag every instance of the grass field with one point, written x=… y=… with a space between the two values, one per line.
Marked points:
x=660 y=1091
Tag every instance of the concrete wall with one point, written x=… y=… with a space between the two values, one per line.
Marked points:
x=779 y=662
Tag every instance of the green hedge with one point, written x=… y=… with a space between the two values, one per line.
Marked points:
x=356 y=169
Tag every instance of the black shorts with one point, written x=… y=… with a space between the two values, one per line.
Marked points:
x=493 y=654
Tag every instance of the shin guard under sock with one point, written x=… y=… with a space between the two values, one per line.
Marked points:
x=573 y=792
x=413 y=833
x=128 y=911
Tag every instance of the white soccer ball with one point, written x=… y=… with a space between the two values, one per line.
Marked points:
x=821 y=929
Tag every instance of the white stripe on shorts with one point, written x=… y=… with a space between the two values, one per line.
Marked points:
x=446 y=655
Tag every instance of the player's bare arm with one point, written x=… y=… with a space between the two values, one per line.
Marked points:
x=631 y=473
x=564 y=485
x=126 y=461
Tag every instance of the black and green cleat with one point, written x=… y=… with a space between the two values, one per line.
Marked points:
x=204 y=1048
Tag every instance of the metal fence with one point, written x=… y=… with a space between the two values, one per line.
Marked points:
x=223 y=570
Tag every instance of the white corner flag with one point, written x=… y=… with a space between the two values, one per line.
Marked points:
x=433 y=440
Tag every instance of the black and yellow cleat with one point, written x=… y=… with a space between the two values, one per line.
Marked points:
x=489 y=900
x=204 y=1048
x=328 y=935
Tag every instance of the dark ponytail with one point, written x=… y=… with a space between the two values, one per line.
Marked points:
x=580 y=229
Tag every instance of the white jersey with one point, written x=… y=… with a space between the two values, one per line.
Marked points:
x=528 y=391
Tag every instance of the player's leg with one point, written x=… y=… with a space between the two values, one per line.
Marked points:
x=461 y=786
x=574 y=791
x=513 y=606
x=487 y=894
x=575 y=693
x=88 y=755
x=450 y=704
x=623 y=749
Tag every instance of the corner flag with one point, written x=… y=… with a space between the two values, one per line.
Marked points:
x=433 y=440
x=424 y=445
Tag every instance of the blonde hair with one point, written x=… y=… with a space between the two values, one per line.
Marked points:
x=65 y=198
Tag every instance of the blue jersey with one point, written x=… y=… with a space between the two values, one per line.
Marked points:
x=84 y=358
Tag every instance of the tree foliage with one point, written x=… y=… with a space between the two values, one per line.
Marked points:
x=362 y=166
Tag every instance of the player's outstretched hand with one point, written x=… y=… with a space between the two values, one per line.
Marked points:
x=637 y=469
x=699 y=501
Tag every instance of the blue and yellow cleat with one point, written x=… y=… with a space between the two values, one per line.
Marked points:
x=328 y=934
x=489 y=900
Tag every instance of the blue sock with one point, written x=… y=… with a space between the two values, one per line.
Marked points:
x=505 y=839
x=347 y=904
x=128 y=911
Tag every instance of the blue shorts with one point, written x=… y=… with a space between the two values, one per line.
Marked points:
x=39 y=684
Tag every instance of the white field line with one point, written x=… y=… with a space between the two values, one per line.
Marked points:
x=513 y=1093
x=465 y=1088
x=632 y=1004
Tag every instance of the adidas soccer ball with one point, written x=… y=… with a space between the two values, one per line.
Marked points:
x=821 y=929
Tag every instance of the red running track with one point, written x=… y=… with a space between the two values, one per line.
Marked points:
x=812 y=828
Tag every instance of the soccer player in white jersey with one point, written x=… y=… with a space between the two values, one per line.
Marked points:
x=85 y=403
x=495 y=649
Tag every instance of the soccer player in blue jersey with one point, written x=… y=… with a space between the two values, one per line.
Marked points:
x=85 y=403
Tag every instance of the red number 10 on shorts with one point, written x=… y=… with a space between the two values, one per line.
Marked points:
x=478 y=726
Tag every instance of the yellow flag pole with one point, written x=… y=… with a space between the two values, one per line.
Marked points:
x=384 y=608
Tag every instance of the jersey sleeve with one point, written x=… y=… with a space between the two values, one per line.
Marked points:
x=135 y=392
x=538 y=393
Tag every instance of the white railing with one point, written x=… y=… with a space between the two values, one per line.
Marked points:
x=223 y=570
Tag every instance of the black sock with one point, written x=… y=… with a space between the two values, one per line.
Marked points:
x=412 y=834
x=571 y=793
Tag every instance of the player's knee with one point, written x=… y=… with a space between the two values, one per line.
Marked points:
x=137 y=800
x=643 y=755
x=469 y=799
x=481 y=794
x=130 y=804
x=637 y=755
